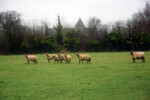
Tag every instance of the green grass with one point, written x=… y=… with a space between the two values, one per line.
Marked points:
x=111 y=76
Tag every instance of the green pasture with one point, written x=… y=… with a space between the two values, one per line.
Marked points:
x=110 y=76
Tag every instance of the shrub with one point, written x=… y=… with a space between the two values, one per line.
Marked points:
x=25 y=48
x=71 y=42
x=49 y=45
x=93 y=46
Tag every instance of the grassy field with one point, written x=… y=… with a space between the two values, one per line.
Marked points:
x=111 y=76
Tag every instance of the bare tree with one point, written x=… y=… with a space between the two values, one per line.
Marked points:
x=93 y=26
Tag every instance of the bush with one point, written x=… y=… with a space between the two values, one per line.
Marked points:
x=49 y=45
x=25 y=48
x=93 y=46
x=71 y=42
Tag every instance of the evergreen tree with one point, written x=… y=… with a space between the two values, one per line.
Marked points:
x=46 y=30
x=58 y=28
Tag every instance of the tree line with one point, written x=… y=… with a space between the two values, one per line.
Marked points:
x=132 y=34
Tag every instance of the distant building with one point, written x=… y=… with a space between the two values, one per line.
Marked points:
x=80 y=25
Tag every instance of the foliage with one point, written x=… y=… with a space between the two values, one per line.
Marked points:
x=58 y=29
x=93 y=46
x=12 y=29
x=25 y=48
x=49 y=44
x=46 y=30
x=147 y=39
x=133 y=34
x=115 y=40
x=71 y=42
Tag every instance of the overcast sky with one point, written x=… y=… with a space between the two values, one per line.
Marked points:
x=71 y=10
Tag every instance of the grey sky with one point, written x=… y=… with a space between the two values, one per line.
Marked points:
x=71 y=10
